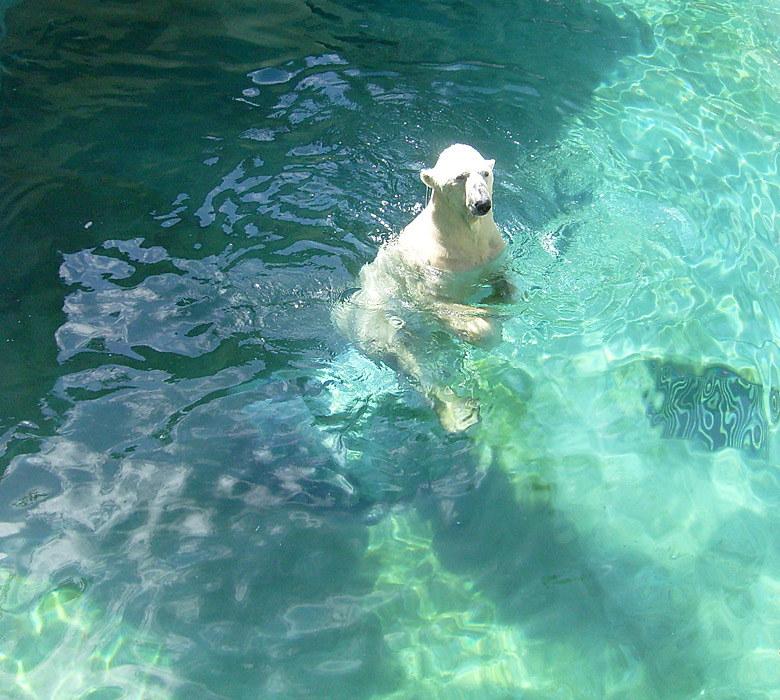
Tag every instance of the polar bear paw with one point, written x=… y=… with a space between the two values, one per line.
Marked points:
x=455 y=413
x=475 y=330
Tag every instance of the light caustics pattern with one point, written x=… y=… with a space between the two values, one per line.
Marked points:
x=223 y=499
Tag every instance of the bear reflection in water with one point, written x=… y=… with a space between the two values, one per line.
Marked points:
x=420 y=283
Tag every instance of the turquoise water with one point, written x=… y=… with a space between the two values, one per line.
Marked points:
x=207 y=493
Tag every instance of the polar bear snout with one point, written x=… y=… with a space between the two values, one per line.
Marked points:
x=482 y=207
x=478 y=198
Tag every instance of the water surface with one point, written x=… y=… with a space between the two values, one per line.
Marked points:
x=206 y=492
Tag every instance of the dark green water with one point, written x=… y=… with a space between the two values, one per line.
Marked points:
x=207 y=493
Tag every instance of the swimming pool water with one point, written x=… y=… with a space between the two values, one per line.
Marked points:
x=207 y=493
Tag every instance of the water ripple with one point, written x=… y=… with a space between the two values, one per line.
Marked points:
x=217 y=498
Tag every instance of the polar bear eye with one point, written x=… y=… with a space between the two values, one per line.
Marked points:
x=485 y=174
x=462 y=177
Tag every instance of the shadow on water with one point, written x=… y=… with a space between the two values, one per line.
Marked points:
x=291 y=614
x=117 y=110
x=183 y=185
x=364 y=456
x=609 y=610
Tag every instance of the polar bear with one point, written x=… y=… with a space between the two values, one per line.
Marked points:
x=422 y=282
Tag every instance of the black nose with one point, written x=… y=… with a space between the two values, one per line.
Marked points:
x=482 y=207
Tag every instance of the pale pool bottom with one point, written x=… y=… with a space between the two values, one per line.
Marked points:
x=589 y=557
x=585 y=555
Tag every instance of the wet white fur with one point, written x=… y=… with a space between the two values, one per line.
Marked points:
x=433 y=267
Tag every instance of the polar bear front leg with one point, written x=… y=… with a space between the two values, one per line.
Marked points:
x=470 y=323
x=455 y=412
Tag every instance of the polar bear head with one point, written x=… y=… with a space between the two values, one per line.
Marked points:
x=463 y=178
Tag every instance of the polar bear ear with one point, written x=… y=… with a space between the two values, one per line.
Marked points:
x=427 y=176
x=491 y=163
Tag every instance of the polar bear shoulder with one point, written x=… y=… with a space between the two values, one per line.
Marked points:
x=456 y=230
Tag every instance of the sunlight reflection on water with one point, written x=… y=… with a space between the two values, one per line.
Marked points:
x=207 y=493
